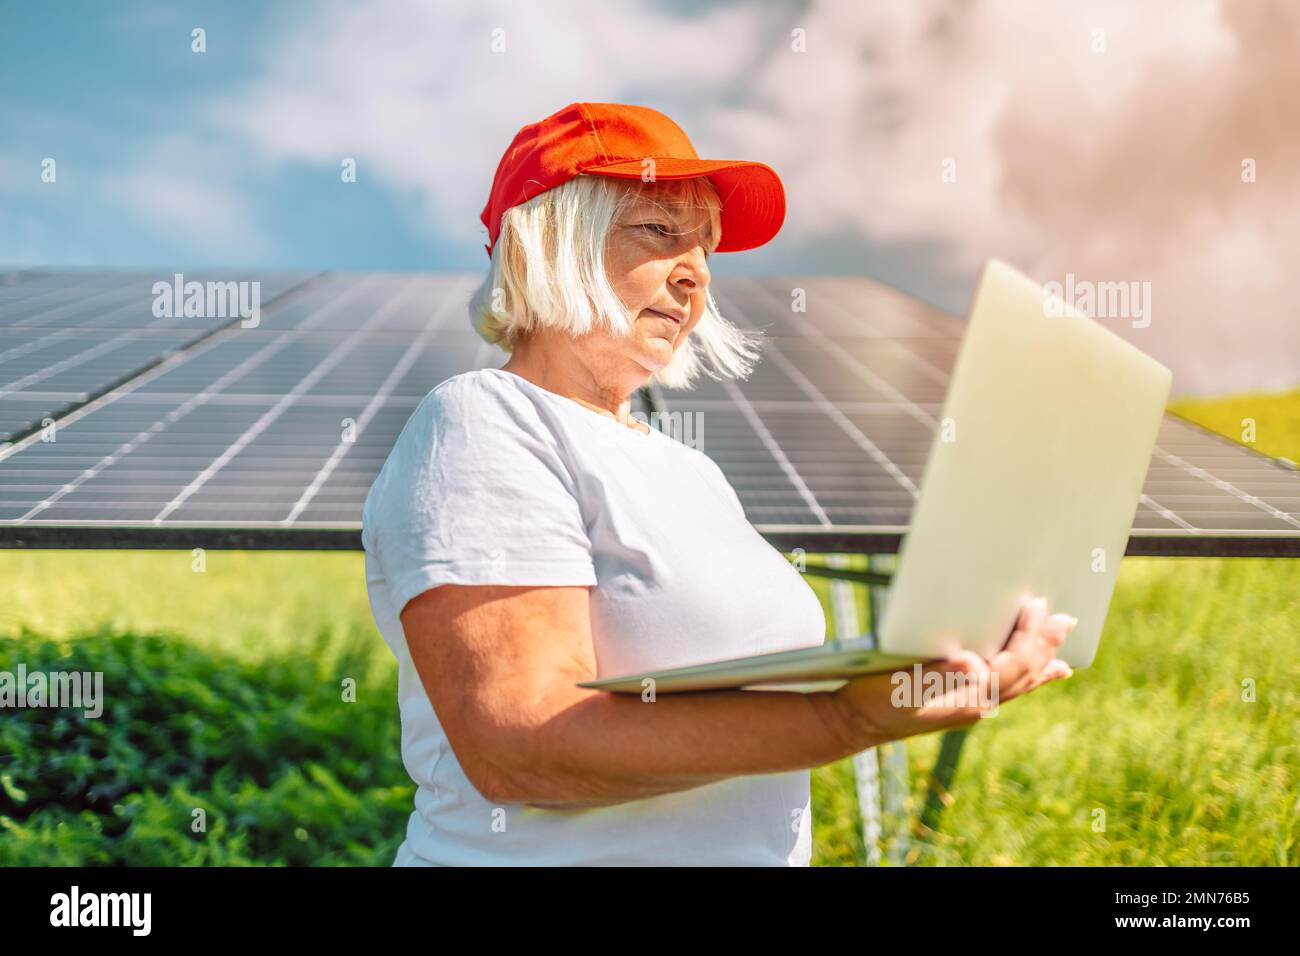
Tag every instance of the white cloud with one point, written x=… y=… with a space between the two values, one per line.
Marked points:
x=1116 y=165
x=181 y=188
x=416 y=95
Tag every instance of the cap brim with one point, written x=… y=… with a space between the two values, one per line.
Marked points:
x=753 y=199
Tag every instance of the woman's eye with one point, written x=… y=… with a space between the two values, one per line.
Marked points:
x=663 y=230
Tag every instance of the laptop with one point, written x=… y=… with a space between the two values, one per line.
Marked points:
x=1031 y=484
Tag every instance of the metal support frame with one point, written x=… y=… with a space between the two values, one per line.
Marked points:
x=866 y=764
x=881 y=773
x=945 y=768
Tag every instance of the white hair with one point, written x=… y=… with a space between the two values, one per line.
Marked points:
x=548 y=271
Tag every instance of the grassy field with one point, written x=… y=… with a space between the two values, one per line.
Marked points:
x=235 y=717
x=1275 y=417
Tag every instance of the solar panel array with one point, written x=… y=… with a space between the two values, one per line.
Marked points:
x=172 y=432
x=68 y=336
x=846 y=402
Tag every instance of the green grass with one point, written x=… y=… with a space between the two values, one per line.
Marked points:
x=1156 y=735
x=225 y=694
x=204 y=758
x=233 y=705
x=1275 y=417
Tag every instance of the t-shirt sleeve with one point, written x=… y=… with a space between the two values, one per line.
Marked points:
x=476 y=491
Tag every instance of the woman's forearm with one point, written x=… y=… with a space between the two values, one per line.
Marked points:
x=593 y=748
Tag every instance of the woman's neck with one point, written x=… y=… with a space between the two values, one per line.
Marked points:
x=574 y=381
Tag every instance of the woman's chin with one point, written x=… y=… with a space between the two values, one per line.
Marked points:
x=655 y=354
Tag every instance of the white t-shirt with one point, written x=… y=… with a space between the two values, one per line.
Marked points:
x=495 y=480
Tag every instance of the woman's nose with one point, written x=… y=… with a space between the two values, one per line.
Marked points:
x=695 y=275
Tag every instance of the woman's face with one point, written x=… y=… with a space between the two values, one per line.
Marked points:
x=656 y=262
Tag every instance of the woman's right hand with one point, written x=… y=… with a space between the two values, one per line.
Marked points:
x=1027 y=661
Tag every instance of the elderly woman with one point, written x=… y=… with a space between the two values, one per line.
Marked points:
x=527 y=533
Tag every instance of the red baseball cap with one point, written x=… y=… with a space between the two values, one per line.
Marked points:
x=612 y=139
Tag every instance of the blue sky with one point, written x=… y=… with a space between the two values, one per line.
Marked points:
x=113 y=93
x=1069 y=127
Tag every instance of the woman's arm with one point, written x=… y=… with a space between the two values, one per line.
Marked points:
x=500 y=664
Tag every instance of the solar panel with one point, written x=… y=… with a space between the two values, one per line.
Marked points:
x=270 y=436
x=66 y=338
